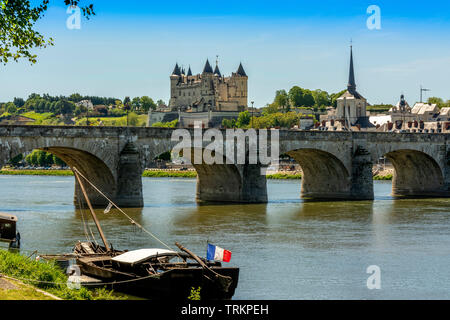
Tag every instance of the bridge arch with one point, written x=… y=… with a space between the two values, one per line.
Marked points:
x=90 y=165
x=416 y=173
x=324 y=175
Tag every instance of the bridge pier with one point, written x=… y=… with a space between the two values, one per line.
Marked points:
x=362 y=178
x=231 y=183
x=129 y=178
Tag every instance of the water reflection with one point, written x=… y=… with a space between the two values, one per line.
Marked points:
x=317 y=250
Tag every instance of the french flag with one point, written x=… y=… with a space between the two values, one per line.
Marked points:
x=217 y=254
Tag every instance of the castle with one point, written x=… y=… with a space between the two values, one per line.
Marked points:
x=208 y=91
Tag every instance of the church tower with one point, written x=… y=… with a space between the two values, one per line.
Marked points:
x=351 y=106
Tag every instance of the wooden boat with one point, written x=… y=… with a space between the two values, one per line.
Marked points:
x=152 y=273
x=8 y=230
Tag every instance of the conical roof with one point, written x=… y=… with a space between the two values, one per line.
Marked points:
x=241 y=70
x=351 y=77
x=207 y=68
x=217 y=71
x=176 y=70
x=189 y=72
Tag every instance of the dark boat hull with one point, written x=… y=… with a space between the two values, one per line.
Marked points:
x=175 y=283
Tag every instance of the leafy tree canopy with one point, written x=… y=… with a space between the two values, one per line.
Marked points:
x=18 y=36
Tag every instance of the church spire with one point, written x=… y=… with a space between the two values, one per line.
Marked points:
x=351 y=78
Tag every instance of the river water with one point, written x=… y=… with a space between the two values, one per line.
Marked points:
x=286 y=249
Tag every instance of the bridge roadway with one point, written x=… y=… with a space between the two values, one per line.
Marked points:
x=336 y=165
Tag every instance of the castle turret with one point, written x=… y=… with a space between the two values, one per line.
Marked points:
x=207 y=68
x=176 y=70
x=174 y=80
x=241 y=70
x=217 y=71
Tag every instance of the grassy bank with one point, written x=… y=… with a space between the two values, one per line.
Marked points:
x=383 y=178
x=284 y=176
x=37 y=172
x=46 y=276
x=160 y=174
x=169 y=174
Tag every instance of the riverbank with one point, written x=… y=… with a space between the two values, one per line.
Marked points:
x=27 y=278
x=162 y=173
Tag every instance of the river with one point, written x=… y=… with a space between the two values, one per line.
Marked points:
x=286 y=249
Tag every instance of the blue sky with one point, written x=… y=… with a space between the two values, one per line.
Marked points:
x=130 y=48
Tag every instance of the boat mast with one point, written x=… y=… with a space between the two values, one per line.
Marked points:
x=94 y=216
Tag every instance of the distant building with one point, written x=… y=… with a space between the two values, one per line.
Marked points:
x=207 y=98
x=209 y=90
x=425 y=111
x=352 y=106
x=85 y=103
x=351 y=110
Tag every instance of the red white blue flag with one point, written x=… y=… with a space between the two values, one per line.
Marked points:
x=217 y=254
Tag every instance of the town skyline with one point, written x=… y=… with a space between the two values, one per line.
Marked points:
x=132 y=52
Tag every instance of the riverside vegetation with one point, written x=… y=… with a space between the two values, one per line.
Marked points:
x=164 y=174
x=45 y=275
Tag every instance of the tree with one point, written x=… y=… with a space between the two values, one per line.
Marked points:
x=147 y=103
x=296 y=96
x=243 y=119
x=335 y=96
x=17 y=28
x=10 y=107
x=308 y=98
x=67 y=107
x=19 y=102
x=15 y=161
x=281 y=99
x=321 y=98
x=438 y=101
x=136 y=103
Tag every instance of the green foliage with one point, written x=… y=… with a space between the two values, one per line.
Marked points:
x=169 y=174
x=11 y=108
x=166 y=156
x=195 y=294
x=282 y=120
x=47 y=276
x=284 y=176
x=281 y=100
x=383 y=178
x=36 y=172
x=171 y=124
x=334 y=97
x=147 y=103
x=18 y=36
x=439 y=102
x=380 y=108
x=243 y=119
x=15 y=161
x=300 y=97
x=321 y=98
x=43 y=159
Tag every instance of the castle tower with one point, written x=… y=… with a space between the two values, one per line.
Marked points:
x=175 y=78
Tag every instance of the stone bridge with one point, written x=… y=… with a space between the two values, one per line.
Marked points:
x=336 y=165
